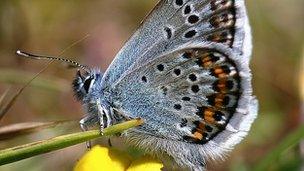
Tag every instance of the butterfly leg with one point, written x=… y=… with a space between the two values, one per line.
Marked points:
x=101 y=118
x=110 y=142
x=85 y=123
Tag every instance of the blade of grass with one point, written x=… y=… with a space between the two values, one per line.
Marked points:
x=73 y=44
x=4 y=109
x=29 y=150
x=301 y=90
x=11 y=102
x=290 y=141
x=14 y=130
x=3 y=96
x=10 y=76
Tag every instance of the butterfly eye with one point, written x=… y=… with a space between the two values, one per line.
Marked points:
x=87 y=84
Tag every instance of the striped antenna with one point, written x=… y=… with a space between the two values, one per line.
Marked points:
x=68 y=61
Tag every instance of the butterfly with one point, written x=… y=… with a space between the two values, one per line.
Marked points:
x=185 y=72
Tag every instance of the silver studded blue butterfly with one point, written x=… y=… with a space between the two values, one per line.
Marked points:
x=185 y=72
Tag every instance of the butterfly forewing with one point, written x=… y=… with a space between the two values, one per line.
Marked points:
x=174 y=23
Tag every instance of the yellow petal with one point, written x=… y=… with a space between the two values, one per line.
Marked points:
x=145 y=163
x=102 y=158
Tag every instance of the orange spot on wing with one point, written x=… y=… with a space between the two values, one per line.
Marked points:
x=198 y=135
x=222 y=85
x=207 y=64
x=216 y=38
x=219 y=100
x=206 y=59
x=208 y=115
x=208 y=112
x=218 y=70
x=209 y=119
x=222 y=75
x=201 y=126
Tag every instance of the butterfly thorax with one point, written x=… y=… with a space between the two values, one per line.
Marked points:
x=89 y=91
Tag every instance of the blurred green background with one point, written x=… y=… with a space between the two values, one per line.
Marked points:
x=49 y=27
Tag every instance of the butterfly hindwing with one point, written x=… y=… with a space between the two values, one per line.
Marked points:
x=194 y=95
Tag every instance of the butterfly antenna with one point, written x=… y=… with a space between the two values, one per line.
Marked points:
x=70 y=62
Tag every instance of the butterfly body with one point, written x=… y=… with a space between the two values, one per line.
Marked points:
x=185 y=72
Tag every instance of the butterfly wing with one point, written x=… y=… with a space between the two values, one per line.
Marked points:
x=197 y=98
x=185 y=71
x=173 y=23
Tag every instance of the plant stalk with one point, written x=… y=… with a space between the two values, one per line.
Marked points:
x=18 y=153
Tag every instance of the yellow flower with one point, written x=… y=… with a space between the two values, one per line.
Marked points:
x=145 y=163
x=105 y=159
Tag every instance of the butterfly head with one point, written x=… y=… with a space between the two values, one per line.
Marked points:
x=87 y=85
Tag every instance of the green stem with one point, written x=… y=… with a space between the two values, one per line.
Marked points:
x=14 y=154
